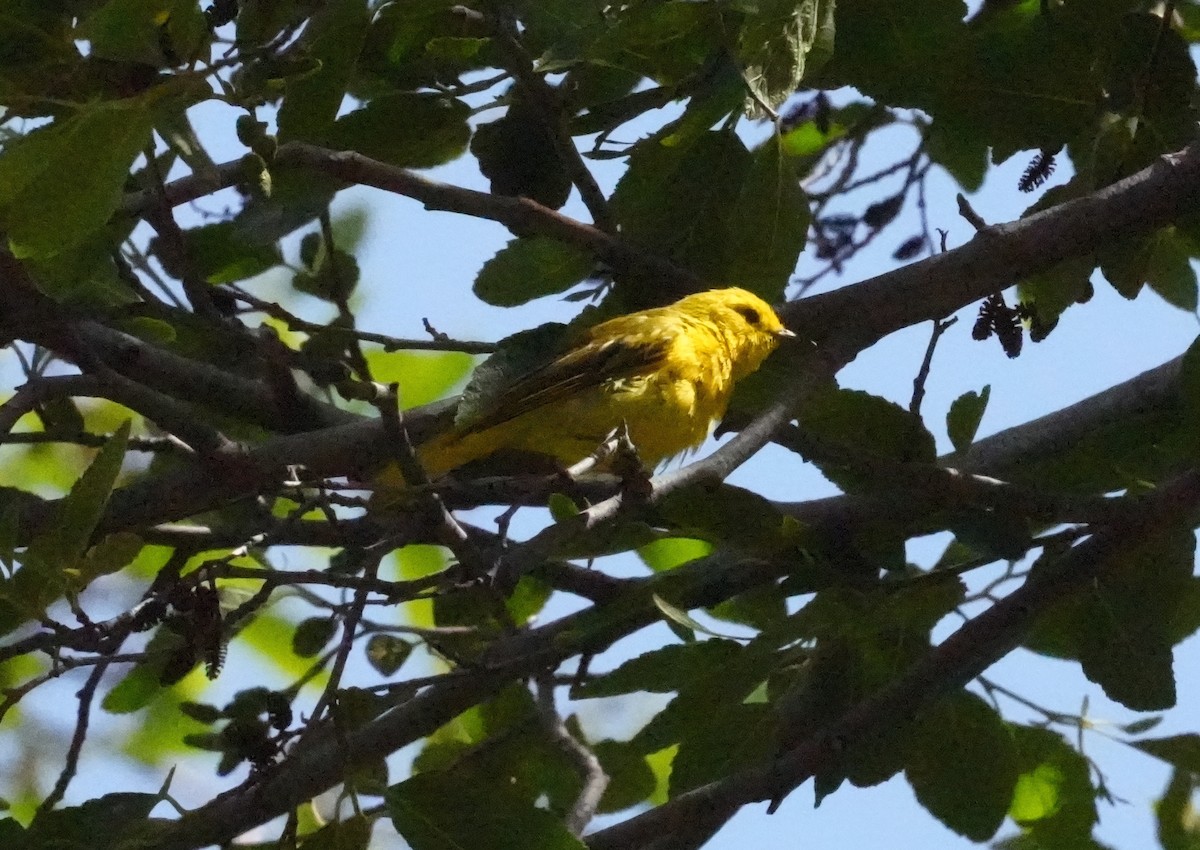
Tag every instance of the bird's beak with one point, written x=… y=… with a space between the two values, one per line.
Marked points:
x=784 y=332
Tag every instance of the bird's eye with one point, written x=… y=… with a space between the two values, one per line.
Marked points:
x=749 y=314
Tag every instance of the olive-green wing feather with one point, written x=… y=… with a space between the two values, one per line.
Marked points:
x=602 y=358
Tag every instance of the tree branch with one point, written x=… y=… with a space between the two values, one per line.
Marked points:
x=1000 y=255
x=952 y=664
x=306 y=773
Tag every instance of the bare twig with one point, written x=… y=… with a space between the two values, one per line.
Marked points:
x=349 y=631
x=595 y=780
x=968 y=212
x=939 y=328
x=160 y=216
x=389 y=343
x=86 y=694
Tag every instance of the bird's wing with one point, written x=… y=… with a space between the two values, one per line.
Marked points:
x=611 y=352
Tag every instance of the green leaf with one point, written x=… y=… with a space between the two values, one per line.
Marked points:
x=83 y=275
x=527 y=599
x=518 y=155
x=295 y=199
x=1161 y=259
x=1054 y=290
x=406 y=129
x=351 y=834
x=333 y=37
x=423 y=376
x=1160 y=97
x=663 y=670
x=107 y=822
x=727 y=513
x=1053 y=799
x=667 y=42
x=417 y=45
x=531 y=267
x=355 y=707
x=677 y=615
x=1189 y=379
x=334 y=278
x=962 y=765
x=1123 y=629
x=966 y=412
x=217 y=253
x=1000 y=532
x=154 y=331
x=559 y=27
x=1177 y=829
x=731 y=737
x=1124 y=264
x=438 y=811
x=807 y=139
x=721 y=95
x=62 y=182
x=881 y=48
x=716 y=691
x=768 y=224
x=151 y=32
x=312 y=635
x=675 y=200
x=856 y=423
x=387 y=653
x=114 y=552
x=671 y=552
x=1170 y=272
x=143 y=683
x=630 y=779
x=455 y=50
x=80 y=511
x=773 y=46
x=961 y=151
x=1180 y=751
x=760 y=607
x=1127 y=639
x=562 y=507
x=1144 y=724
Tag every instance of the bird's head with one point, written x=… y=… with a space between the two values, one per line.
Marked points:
x=750 y=326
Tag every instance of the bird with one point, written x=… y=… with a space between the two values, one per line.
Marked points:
x=664 y=375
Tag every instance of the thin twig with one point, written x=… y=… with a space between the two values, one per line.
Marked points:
x=392 y=591
x=86 y=694
x=389 y=343
x=939 y=328
x=595 y=780
x=450 y=533
x=349 y=629
x=162 y=219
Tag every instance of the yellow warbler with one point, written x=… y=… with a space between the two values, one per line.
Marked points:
x=667 y=373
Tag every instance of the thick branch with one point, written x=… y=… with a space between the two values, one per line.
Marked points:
x=1056 y=432
x=1000 y=255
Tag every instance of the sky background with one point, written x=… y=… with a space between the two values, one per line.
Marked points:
x=418 y=264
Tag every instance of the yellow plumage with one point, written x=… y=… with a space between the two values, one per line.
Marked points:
x=667 y=373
